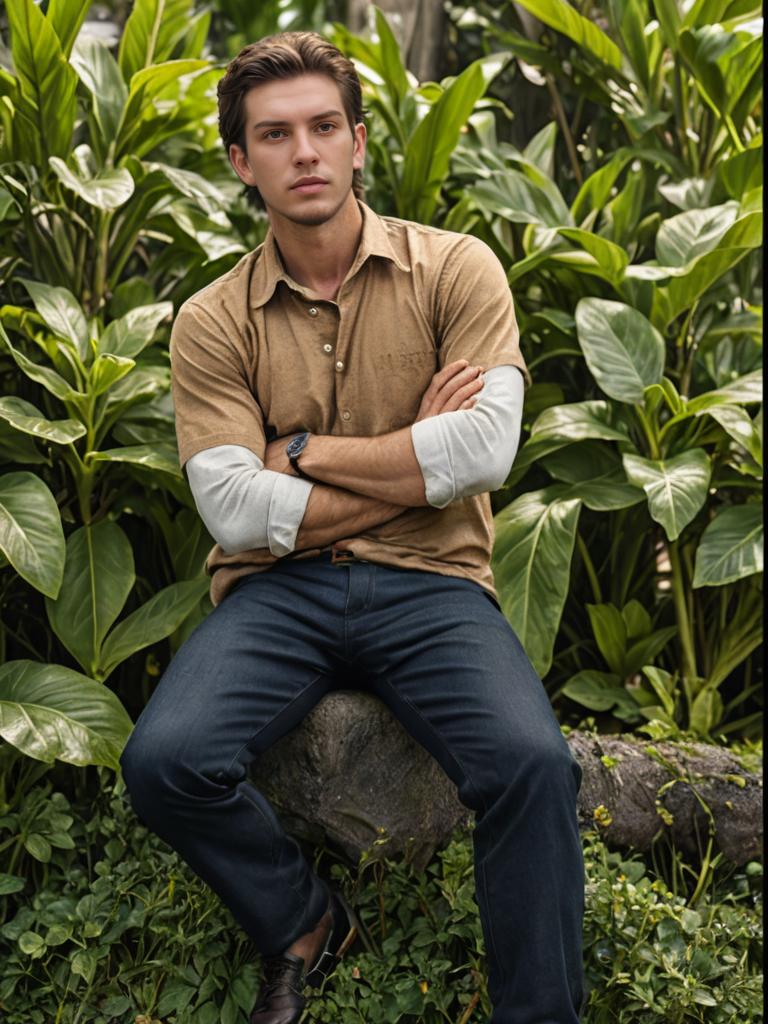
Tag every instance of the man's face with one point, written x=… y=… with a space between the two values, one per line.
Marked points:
x=294 y=129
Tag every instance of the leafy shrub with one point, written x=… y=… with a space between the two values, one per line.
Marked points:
x=105 y=923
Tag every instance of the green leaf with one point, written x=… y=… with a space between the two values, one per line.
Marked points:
x=680 y=294
x=31 y=943
x=643 y=651
x=62 y=313
x=67 y=17
x=636 y=619
x=610 y=257
x=610 y=633
x=50 y=712
x=145 y=87
x=391 y=62
x=107 y=190
x=83 y=963
x=577 y=421
x=560 y=16
x=706 y=711
x=599 y=691
x=623 y=351
x=42 y=374
x=531 y=566
x=47 y=81
x=428 y=151
x=98 y=576
x=99 y=72
x=155 y=456
x=676 y=487
x=151 y=33
x=25 y=417
x=106 y=370
x=741 y=391
x=737 y=423
x=731 y=547
x=604 y=494
x=31 y=535
x=663 y=685
x=10 y=884
x=683 y=238
x=130 y=334
x=153 y=621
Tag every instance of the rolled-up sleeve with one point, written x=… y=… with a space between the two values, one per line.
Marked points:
x=243 y=505
x=471 y=451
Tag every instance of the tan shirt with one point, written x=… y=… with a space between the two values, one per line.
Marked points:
x=255 y=356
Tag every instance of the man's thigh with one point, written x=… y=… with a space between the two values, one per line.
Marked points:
x=248 y=674
x=441 y=654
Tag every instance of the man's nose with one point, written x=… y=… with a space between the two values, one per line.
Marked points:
x=304 y=148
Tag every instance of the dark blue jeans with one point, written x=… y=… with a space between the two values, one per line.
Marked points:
x=438 y=651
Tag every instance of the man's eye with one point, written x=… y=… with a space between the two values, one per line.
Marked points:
x=273 y=132
x=327 y=124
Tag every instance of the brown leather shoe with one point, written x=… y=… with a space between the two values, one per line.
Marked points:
x=280 y=999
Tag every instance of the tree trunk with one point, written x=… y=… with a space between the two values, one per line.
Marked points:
x=350 y=773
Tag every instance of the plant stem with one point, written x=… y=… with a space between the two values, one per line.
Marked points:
x=589 y=566
x=557 y=104
x=685 y=632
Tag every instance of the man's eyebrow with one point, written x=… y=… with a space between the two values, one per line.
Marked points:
x=280 y=124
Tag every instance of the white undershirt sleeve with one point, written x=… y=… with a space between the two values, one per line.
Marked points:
x=242 y=504
x=471 y=451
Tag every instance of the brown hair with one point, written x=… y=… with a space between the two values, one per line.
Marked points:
x=285 y=55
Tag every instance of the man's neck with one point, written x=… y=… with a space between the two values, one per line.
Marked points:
x=318 y=256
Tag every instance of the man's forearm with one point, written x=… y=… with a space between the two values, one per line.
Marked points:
x=383 y=467
x=335 y=514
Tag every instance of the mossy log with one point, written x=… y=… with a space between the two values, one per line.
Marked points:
x=350 y=774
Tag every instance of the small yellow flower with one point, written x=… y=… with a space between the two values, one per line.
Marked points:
x=424 y=986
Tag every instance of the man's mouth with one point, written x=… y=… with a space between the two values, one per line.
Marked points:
x=309 y=185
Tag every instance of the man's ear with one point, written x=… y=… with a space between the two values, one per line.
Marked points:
x=358 y=157
x=239 y=162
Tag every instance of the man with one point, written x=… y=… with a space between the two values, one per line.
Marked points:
x=340 y=439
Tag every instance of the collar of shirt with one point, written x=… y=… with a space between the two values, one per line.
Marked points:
x=269 y=269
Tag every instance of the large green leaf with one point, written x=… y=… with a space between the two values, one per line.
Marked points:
x=681 y=292
x=67 y=17
x=154 y=621
x=151 y=33
x=610 y=633
x=623 y=351
x=44 y=375
x=146 y=86
x=98 y=576
x=676 y=487
x=578 y=421
x=131 y=333
x=599 y=691
x=742 y=391
x=682 y=238
x=731 y=547
x=31 y=536
x=99 y=72
x=156 y=456
x=610 y=257
x=25 y=417
x=531 y=566
x=560 y=16
x=736 y=422
x=47 y=81
x=62 y=313
x=107 y=190
x=106 y=371
x=49 y=712
x=428 y=151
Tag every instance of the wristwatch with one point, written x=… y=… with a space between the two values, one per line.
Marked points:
x=293 y=451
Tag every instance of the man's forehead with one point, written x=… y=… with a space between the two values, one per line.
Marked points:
x=293 y=99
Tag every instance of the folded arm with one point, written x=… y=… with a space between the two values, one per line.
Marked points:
x=439 y=459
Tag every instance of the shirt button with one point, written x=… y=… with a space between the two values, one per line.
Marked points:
x=312 y=310
x=339 y=366
x=346 y=415
x=327 y=348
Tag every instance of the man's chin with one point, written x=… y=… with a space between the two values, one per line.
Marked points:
x=312 y=212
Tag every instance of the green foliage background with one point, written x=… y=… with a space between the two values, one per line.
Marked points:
x=629 y=542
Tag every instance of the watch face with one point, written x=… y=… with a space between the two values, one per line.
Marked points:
x=296 y=445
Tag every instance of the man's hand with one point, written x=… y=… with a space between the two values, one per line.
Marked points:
x=452 y=388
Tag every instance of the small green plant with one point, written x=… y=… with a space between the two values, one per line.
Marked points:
x=106 y=925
